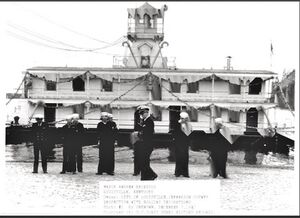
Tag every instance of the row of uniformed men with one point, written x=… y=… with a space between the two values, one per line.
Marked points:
x=107 y=138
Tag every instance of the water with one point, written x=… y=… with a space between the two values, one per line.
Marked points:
x=19 y=152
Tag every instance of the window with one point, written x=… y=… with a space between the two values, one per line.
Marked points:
x=251 y=120
x=156 y=113
x=106 y=86
x=141 y=21
x=106 y=108
x=78 y=84
x=79 y=109
x=175 y=87
x=50 y=86
x=152 y=23
x=255 y=86
x=192 y=87
x=234 y=116
x=234 y=89
x=192 y=112
x=159 y=24
x=147 y=19
x=50 y=112
x=145 y=61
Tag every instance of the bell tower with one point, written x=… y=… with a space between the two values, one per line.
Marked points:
x=145 y=37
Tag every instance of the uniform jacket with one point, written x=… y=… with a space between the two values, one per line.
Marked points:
x=107 y=133
x=73 y=134
x=78 y=131
x=40 y=133
x=147 y=130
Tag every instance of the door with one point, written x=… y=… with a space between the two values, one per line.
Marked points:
x=252 y=119
x=49 y=112
x=174 y=112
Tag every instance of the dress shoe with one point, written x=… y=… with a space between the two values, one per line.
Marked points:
x=98 y=173
x=62 y=172
x=74 y=173
x=111 y=173
x=34 y=172
x=45 y=172
x=154 y=177
x=177 y=175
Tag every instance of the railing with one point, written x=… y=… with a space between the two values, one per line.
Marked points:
x=219 y=96
x=162 y=126
x=87 y=94
x=142 y=28
x=96 y=94
x=120 y=61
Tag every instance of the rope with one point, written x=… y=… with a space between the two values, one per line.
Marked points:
x=120 y=96
x=178 y=98
x=235 y=124
x=284 y=99
x=169 y=91
x=129 y=90
x=14 y=95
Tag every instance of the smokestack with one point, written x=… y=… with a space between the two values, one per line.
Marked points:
x=228 y=63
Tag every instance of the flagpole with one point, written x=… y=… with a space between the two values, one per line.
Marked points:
x=271 y=55
x=271 y=60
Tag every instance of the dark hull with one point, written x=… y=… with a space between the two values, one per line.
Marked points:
x=199 y=140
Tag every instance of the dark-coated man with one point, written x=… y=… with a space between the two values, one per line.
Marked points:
x=146 y=134
x=78 y=140
x=107 y=136
x=40 y=138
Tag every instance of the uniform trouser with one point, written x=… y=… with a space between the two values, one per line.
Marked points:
x=79 y=158
x=181 y=158
x=146 y=171
x=218 y=164
x=182 y=164
x=69 y=161
x=136 y=161
x=36 y=150
x=106 y=158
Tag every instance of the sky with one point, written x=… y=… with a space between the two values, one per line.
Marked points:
x=200 y=35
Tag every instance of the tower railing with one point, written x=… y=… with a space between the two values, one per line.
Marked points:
x=120 y=61
x=155 y=29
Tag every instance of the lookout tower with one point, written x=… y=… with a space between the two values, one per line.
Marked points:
x=145 y=37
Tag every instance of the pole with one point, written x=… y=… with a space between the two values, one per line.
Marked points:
x=213 y=88
x=131 y=53
x=119 y=81
x=160 y=47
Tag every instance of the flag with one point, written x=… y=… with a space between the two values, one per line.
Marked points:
x=271 y=49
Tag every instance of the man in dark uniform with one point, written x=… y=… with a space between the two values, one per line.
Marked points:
x=219 y=147
x=107 y=135
x=146 y=135
x=69 y=164
x=78 y=140
x=40 y=131
x=15 y=136
x=16 y=121
x=115 y=135
x=136 y=142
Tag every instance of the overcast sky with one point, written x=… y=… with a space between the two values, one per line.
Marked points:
x=200 y=35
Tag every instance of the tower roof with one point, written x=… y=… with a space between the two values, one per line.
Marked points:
x=146 y=8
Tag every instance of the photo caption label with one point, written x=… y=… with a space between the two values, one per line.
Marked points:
x=182 y=197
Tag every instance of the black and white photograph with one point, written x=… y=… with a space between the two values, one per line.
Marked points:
x=150 y=108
